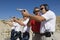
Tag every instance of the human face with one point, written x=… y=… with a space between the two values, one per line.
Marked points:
x=42 y=9
x=37 y=12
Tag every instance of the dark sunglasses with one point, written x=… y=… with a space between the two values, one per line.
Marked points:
x=41 y=8
x=36 y=11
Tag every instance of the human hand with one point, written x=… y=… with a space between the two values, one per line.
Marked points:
x=4 y=22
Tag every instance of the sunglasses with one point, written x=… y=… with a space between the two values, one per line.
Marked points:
x=41 y=8
x=36 y=11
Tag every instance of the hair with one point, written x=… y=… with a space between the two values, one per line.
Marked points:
x=46 y=6
x=34 y=9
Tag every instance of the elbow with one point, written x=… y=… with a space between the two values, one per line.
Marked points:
x=41 y=19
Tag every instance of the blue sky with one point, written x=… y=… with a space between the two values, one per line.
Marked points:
x=8 y=7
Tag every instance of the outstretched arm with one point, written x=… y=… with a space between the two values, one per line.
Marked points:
x=38 y=18
x=19 y=21
x=9 y=23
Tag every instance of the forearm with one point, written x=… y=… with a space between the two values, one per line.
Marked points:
x=9 y=23
x=20 y=22
x=37 y=18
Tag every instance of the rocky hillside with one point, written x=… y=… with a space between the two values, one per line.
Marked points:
x=58 y=23
x=5 y=29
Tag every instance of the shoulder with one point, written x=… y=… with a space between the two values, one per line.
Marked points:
x=49 y=13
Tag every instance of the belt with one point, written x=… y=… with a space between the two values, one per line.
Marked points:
x=42 y=34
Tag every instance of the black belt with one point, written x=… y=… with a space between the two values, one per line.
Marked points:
x=43 y=34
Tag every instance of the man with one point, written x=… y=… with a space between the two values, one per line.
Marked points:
x=35 y=25
x=15 y=30
x=26 y=29
x=47 y=19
